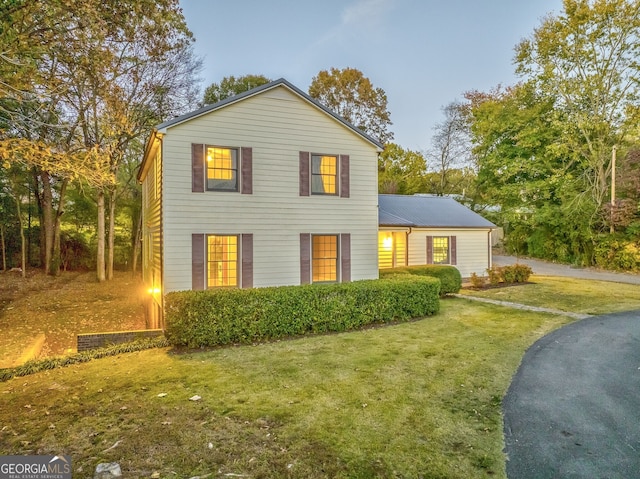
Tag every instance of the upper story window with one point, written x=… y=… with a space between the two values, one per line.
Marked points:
x=324 y=173
x=222 y=169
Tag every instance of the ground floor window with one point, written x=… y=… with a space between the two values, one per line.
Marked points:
x=392 y=249
x=222 y=261
x=441 y=250
x=324 y=258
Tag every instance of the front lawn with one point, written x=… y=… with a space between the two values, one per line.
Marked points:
x=568 y=294
x=418 y=399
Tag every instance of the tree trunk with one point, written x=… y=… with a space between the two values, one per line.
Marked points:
x=100 y=252
x=136 y=244
x=48 y=220
x=112 y=235
x=23 y=240
x=56 y=259
x=4 y=251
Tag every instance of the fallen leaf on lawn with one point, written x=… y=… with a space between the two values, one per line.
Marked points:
x=123 y=408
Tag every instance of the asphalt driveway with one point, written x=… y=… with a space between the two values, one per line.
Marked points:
x=573 y=407
x=556 y=269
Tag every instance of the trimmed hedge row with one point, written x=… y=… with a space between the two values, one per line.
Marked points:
x=218 y=317
x=37 y=365
x=449 y=276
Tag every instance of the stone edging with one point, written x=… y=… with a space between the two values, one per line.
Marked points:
x=524 y=307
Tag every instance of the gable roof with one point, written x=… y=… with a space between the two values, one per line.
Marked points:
x=162 y=127
x=427 y=211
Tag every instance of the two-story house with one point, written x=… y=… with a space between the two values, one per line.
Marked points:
x=265 y=188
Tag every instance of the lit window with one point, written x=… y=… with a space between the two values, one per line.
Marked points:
x=441 y=250
x=324 y=171
x=222 y=261
x=222 y=169
x=324 y=261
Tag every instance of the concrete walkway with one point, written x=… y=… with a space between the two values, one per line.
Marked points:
x=525 y=307
x=556 y=269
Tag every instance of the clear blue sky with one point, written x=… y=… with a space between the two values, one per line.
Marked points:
x=422 y=53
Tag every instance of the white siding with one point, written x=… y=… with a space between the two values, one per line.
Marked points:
x=277 y=125
x=472 y=245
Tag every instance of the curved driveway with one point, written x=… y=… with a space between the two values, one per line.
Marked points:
x=573 y=407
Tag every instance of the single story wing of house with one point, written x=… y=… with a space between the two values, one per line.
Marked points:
x=429 y=229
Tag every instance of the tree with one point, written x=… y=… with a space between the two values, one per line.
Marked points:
x=587 y=60
x=230 y=86
x=451 y=147
x=401 y=171
x=109 y=70
x=352 y=96
x=523 y=171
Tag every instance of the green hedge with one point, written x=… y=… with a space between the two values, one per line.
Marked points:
x=449 y=276
x=217 y=317
x=37 y=365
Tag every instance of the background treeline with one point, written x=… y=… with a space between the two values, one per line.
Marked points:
x=554 y=159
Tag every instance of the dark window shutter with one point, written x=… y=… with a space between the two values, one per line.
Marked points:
x=453 y=250
x=198 y=261
x=197 y=168
x=429 y=249
x=344 y=176
x=305 y=258
x=345 y=257
x=304 y=173
x=247 y=173
x=247 y=261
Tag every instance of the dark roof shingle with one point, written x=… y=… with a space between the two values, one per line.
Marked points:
x=427 y=211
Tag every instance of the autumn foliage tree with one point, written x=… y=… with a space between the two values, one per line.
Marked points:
x=90 y=78
x=352 y=96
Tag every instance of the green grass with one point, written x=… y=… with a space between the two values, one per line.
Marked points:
x=419 y=399
x=568 y=294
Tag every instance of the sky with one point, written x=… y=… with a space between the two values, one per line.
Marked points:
x=423 y=53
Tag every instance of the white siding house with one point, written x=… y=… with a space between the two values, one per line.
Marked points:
x=425 y=229
x=265 y=188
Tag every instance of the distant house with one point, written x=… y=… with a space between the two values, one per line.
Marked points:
x=265 y=188
x=426 y=229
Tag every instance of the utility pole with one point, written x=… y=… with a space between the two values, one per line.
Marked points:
x=613 y=186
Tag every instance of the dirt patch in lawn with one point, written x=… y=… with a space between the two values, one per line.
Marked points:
x=62 y=307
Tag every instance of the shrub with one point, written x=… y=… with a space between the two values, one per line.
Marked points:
x=449 y=276
x=519 y=273
x=617 y=253
x=477 y=282
x=217 y=317
x=495 y=275
x=515 y=273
